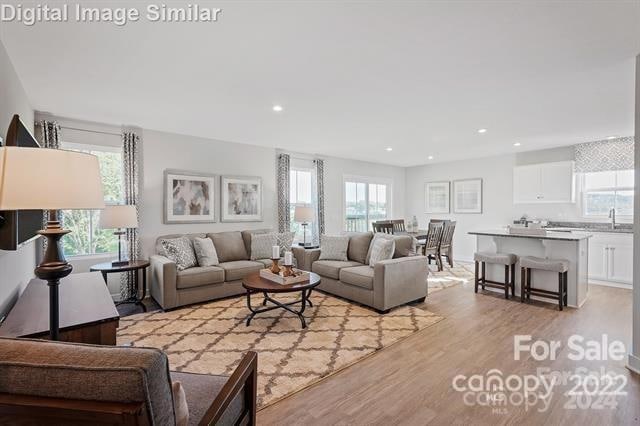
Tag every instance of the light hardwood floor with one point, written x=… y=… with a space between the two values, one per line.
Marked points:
x=411 y=382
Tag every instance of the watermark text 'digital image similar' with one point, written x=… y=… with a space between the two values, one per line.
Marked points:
x=119 y=16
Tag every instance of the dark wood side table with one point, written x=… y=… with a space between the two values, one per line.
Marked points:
x=87 y=312
x=136 y=266
x=254 y=283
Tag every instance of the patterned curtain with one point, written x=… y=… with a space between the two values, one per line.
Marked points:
x=284 y=213
x=319 y=201
x=131 y=165
x=49 y=134
x=605 y=155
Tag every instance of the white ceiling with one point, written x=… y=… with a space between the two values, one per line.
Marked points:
x=353 y=78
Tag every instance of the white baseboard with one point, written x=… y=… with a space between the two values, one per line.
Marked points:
x=633 y=363
x=611 y=284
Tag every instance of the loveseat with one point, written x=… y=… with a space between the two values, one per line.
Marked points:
x=172 y=288
x=388 y=284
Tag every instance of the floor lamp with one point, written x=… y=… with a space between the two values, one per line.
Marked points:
x=50 y=179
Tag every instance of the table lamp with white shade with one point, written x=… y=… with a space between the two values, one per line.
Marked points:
x=303 y=215
x=119 y=217
x=50 y=179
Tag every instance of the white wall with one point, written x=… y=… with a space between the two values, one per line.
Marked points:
x=16 y=266
x=497 y=176
x=171 y=151
x=498 y=207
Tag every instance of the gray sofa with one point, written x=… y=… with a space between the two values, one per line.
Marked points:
x=171 y=288
x=388 y=284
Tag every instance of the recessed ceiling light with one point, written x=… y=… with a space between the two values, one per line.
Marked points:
x=611 y=137
x=389 y=149
x=430 y=157
x=517 y=144
x=482 y=130
x=277 y=108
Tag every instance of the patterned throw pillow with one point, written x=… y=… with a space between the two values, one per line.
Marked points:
x=261 y=245
x=180 y=251
x=382 y=250
x=205 y=252
x=285 y=241
x=334 y=247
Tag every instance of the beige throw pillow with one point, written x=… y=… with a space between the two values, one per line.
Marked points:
x=382 y=249
x=334 y=247
x=205 y=252
x=180 y=404
x=261 y=245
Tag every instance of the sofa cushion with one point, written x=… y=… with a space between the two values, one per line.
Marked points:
x=359 y=246
x=261 y=245
x=246 y=237
x=98 y=373
x=331 y=268
x=229 y=246
x=198 y=276
x=238 y=269
x=180 y=251
x=201 y=390
x=205 y=252
x=334 y=247
x=405 y=245
x=381 y=249
x=361 y=276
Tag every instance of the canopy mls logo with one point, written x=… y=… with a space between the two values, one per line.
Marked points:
x=119 y=16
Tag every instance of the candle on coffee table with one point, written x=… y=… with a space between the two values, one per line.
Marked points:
x=275 y=252
x=288 y=258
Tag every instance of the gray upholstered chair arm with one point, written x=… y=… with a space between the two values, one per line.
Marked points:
x=398 y=281
x=308 y=257
x=298 y=255
x=163 y=281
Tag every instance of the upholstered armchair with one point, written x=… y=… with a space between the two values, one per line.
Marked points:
x=44 y=382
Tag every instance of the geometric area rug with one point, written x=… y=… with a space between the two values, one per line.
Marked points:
x=211 y=338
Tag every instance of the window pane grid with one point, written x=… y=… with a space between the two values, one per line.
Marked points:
x=364 y=204
x=606 y=190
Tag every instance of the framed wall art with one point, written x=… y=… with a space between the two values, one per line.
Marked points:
x=467 y=196
x=189 y=197
x=241 y=199
x=436 y=197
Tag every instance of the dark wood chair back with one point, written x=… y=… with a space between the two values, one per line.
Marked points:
x=398 y=226
x=434 y=236
x=383 y=226
x=447 y=234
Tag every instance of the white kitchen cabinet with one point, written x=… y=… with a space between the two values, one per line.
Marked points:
x=544 y=183
x=611 y=258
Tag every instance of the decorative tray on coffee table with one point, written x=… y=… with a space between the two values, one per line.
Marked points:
x=297 y=277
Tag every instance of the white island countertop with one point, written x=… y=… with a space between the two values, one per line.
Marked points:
x=558 y=236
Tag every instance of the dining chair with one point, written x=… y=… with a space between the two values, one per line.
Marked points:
x=431 y=247
x=383 y=226
x=398 y=226
x=446 y=246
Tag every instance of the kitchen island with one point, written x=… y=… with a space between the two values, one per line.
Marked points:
x=570 y=246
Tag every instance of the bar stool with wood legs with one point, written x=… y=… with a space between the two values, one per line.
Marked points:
x=560 y=266
x=507 y=259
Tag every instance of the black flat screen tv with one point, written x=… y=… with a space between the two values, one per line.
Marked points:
x=19 y=227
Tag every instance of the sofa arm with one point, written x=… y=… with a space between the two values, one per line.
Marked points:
x=163 y=281
x=399 y=281
x=306 y=257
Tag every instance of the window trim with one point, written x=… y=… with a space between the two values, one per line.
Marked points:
x=583 y=199
x=93 y=147
x=368 y=180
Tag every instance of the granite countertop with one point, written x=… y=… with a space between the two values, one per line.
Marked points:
x=621 y=228
x=559 y=236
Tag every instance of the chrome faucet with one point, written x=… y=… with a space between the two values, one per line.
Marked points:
x=612 y=216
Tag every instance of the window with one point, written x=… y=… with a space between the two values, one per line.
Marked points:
x=366 y=201
x=300 y=194
x=86 y=237
x=606 y=190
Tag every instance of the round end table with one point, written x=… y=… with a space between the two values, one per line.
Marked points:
x=133 y=266
x=254 y=283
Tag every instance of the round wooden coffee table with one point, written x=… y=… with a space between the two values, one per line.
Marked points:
x=254 y=283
